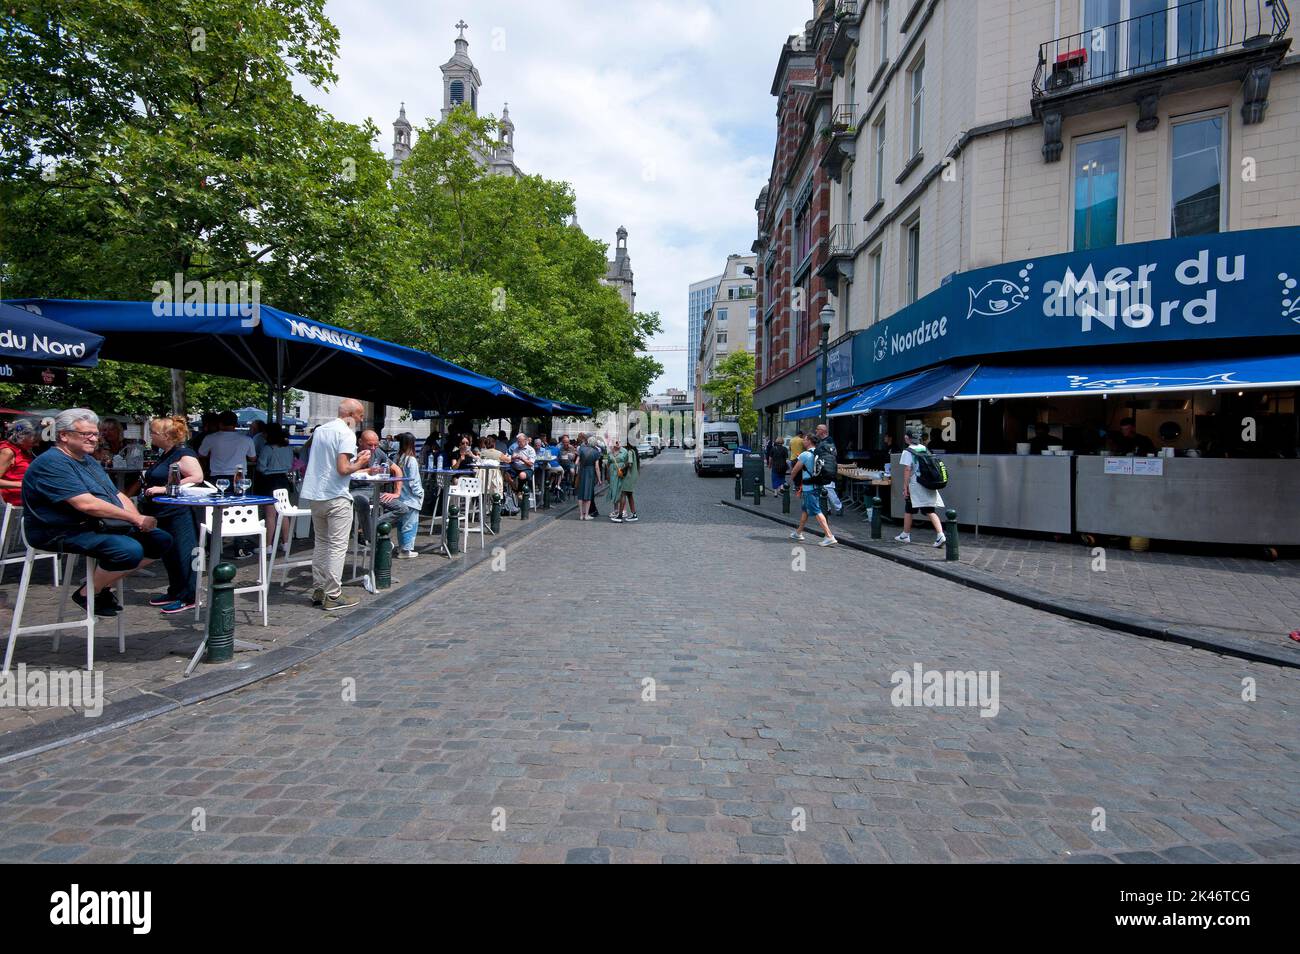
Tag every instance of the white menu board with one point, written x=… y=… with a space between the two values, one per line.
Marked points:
x=1118 y=465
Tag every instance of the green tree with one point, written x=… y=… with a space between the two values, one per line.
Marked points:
x=144 y=138
x=736 y=369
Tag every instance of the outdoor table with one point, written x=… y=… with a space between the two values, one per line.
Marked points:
x=216 y=503
x=443 y=492
x=857 y=492
x=376 y=482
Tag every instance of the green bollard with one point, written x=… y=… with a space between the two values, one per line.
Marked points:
x=785 y=498
x=758 y=490
x=739 y=488
x=875 y=518
x=523 y=503
x=495 y=519
x=383 y=555
x=453 y=529
x=951 y=533
x=221 y=614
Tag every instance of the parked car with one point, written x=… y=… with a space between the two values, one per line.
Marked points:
x=644 y=450
x=688 y=442
x=656 y=443
x=717 y=452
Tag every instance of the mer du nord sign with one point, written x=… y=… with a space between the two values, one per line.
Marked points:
x=1231 y=285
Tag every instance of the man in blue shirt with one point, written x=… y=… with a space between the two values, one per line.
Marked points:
x=810 y=493
x=66 y=494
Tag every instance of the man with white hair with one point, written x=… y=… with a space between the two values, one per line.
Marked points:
x=70 y=503
x=326 y=487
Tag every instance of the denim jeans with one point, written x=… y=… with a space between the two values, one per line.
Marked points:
x=407 y=525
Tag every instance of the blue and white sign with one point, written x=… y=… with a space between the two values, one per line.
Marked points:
x=1232 y=285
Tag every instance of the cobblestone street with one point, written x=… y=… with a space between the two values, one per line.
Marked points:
x=508 y=717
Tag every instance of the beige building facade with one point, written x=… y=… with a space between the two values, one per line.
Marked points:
x=728 y=324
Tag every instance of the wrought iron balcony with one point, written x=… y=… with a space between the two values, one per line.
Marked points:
x=846 y=9
x=845 y=117
x=1188 y=32
x=841 y=242
x=846 y=35
x=1182 y=45
x=840 y=239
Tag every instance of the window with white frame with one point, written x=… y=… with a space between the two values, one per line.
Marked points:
x=912 y=260
x=877 y=282
x=878 y=131
x=883 y=35
x=916 y=97
x=1198 y=187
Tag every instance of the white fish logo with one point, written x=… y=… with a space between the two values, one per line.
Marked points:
x=996 y=298
x=1151 y=381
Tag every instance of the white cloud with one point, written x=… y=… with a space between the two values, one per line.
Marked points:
x=658 y=113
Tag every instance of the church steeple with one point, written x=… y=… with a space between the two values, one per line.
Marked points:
x=460 y=79
x=507 y=130
x=401 y=139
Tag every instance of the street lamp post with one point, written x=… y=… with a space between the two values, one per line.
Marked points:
x=735 y=407
x=827 y=319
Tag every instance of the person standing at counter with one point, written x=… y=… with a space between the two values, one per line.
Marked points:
x=1129 y=441
x=919 y=499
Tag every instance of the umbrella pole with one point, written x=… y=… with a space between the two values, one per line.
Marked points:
x=979 y=444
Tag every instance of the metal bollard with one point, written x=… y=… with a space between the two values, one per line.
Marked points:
x=758 y=491
x=951 y=533
x=453 y=529
x=875 y=518
x=221 y=614
x=546 y=495
x=383 y=555
x=785 y=498
x=739 y=489
x=495 y=519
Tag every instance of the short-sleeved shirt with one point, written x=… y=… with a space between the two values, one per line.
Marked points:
x=920 y=496
x=796 y=447
x=228 y=450
x=806 y=458
x=52 y=480
x=525 y=452
x=274 y=459
x=322 y=480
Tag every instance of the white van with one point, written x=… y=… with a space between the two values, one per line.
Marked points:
x=655 y=442
x=716 y=450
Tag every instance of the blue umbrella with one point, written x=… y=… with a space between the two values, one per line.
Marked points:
x=30 y=338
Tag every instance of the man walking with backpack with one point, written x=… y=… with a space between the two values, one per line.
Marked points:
x=923 y=477
x=811 y=469
x=826 y=448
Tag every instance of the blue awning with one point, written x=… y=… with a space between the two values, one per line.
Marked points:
x=869 y=399
x=283 y=350
x=808 y=411
x=929 y=388
x=1147 y=377
x=29 y=338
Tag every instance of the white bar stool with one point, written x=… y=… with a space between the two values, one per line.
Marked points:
x=285 y=513
x=469 y=491
x=13 y=516
x=16 y=628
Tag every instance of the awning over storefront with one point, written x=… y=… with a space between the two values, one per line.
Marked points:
x=927 y=389
x=869 y=399
x=27 y=337
x=1147 y=377
x=809 y=411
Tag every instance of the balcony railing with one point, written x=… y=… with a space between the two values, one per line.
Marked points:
x=845 y=117
x=840 y=239
x=845 y=9
x=1183 y=33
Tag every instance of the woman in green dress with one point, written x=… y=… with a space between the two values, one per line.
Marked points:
x=624 y=470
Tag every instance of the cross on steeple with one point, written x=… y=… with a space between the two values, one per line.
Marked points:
x=462 y=26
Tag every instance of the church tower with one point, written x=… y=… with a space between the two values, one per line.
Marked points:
x=460 y=79
x=401 y=140
x=619 y=272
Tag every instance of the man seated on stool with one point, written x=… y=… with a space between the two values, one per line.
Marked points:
x=66 y=493
x=361 y=498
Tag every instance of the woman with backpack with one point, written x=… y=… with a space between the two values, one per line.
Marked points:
x=919 y=498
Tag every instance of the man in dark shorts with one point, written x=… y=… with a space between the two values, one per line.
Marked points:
x=66 y=494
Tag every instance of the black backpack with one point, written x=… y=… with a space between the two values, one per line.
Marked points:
x=824 y=466
x=931 y=473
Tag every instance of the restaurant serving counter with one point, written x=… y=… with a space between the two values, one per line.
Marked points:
x=1019 y=493
x=1203 y=499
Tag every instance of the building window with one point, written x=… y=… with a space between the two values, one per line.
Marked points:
x=1098 y=184
x=848 y=192
x=879 y=130
x=1197 y=200
x=722 y=337
x=913 y=261
x=916 y=92
x=884 y=30
x=877 y=282
x=722 y=314
x=457 y=92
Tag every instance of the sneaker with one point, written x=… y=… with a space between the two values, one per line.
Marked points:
x=177 y=606
x=632 y=519
x=904 y=538
x=828 y=542
x=342 y=601
x=317 y=596
x=940 y=540
x=796 y=535
x=406 y=554
x=108 y=598
x=615 y=518
x=102 y=608
x=162 y=599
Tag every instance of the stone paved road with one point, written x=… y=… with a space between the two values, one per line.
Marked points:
x=518 y=695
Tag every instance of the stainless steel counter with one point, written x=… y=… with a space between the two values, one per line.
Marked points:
x=1212 y=500
x=1010 y=492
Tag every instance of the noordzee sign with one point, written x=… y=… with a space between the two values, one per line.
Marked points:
x=1230 y=285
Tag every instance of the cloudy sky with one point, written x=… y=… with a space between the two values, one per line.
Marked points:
x=658 y=113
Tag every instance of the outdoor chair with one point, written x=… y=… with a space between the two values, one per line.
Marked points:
x=286 y=514
x=16 y=628
x=468 y=491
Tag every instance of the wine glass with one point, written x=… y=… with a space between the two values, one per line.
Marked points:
x=243 y=485
x=223 y=484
